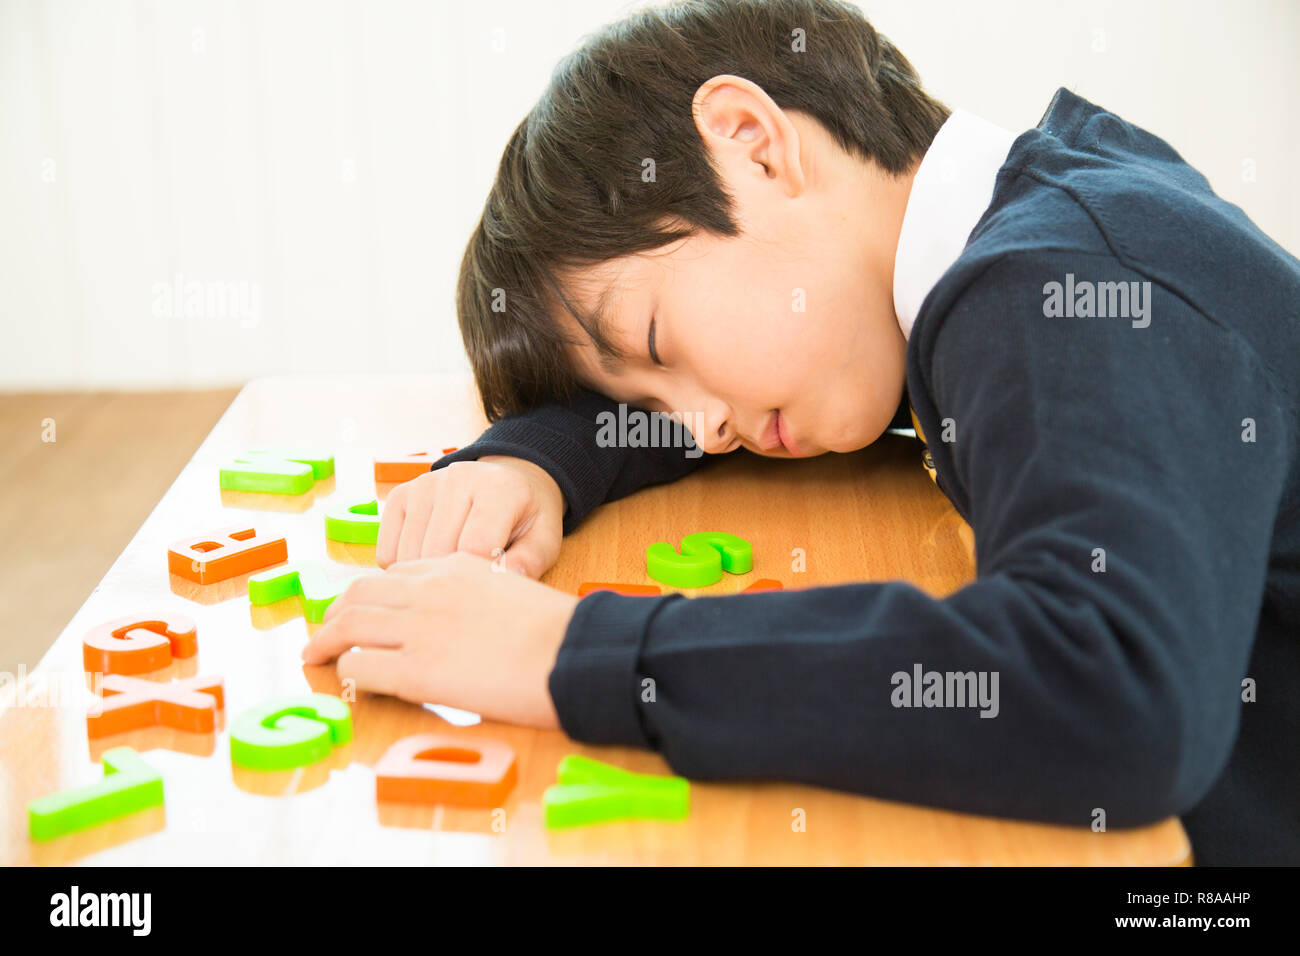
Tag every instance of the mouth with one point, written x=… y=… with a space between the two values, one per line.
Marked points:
x=776 y=434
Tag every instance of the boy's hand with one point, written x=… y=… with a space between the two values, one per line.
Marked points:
x=498 y=507
x=451 y=630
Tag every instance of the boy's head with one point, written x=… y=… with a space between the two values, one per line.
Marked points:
x=733 y=172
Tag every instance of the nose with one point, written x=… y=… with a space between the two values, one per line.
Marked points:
x=715 y=433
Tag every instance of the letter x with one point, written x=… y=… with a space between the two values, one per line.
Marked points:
x=131 y=703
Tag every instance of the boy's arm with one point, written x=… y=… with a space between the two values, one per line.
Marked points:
x=1078 y=442
x=562 y=439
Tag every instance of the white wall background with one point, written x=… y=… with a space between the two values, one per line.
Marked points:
x=331 y=157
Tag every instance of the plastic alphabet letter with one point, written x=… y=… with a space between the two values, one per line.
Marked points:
x=704 y=556
x=354 y=524
x=131 y=703
x=589 y=791
x=436 y=768
x=764 y=584
x=224 y=554
x=138 y=644
x=628 y=590
x=129 y=785
x=290 y=732
x=401 y=468
x=276 y=471
x=306 y=579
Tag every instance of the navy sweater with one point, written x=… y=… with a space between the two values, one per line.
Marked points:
x=1162 y=441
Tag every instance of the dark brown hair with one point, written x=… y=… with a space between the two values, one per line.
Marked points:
x=569 y=191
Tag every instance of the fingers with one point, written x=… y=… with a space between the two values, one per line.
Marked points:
x=529 y=556
x=376 y=590
x=429 y=568
x=536 y=548
x=476 y=508
x=390 y=526
x=450 y=512
x=376 y=671
x=421 y=566
x=419 y=509
x=521 y=560
x=355 y=625
x=487 y=529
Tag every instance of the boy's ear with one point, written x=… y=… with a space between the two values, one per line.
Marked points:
x=747 y=133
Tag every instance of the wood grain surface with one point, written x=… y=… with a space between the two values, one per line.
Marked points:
x=866 y=516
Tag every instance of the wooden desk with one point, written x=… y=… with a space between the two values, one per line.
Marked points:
x=870 y=515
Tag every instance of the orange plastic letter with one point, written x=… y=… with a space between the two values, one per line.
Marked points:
x=629 y=590
x=224 y=554
x=138 y=644
x=399 y=468
x=131 y=703
x=434 y=768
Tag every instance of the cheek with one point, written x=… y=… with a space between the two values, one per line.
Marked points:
x=881 y=386
x=721 y=324
x=854 y=388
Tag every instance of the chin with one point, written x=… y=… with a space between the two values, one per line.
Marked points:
x=850 y=443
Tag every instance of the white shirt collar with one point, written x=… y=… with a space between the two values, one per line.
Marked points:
x=952 y=188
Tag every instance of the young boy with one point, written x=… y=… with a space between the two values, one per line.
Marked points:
x=750 y=213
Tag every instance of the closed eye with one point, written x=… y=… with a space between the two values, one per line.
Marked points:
x=654 y=356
